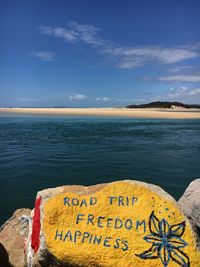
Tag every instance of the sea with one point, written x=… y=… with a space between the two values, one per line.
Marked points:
x=38 y=152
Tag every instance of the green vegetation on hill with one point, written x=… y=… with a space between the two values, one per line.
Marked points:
x=164 y=104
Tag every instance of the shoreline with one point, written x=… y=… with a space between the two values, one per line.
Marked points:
x=110 y=112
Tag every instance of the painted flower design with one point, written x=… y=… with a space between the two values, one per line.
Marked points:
x=166 y=242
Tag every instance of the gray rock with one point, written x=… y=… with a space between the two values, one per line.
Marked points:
x=13 y=235
x=190 y=203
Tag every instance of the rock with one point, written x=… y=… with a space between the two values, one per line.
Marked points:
x=190 y=203
x=12 y=239
x=122 y=224
x=4 y=257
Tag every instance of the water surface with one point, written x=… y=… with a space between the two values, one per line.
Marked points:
x=38 y=152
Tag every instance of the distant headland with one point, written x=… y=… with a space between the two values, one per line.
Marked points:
x=165 y=104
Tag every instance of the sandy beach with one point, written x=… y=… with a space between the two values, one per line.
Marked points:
x=115 y=112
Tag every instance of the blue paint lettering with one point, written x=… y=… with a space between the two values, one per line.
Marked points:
x=99 y=223
x=68 y=234
x=128 y=224
x=118 y=223
x=90 y=219
x=134 y=199
x=109 y=220
x=120 y=201
x=93 y=201
x=97 y=239
x=111 y=200
x=66 y=201
x=125 y=243
x=85 y=235
x=83 y=202
x=117 y=243
x=76 y=234
x=106 y=241
x=78 y=218
x=138 y=224
x=75 y=201
x=58 y=235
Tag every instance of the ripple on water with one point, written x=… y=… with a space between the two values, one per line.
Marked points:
x=41 y=152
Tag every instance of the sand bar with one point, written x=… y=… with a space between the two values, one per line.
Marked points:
x=114 y=112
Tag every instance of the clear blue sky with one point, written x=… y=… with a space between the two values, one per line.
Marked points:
x=99 y=53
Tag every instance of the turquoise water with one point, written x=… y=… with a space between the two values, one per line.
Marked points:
x=39 y=152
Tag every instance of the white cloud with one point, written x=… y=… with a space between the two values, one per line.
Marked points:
x=74 y=32
x=123 y=57
x=78 y=97
x=173 y=55
x=68 y=35
x=104 y=99
x=181 y=78
x=129 y=63
x=137 y=56
x=184 y=92
x=86 y=33
x=179 y=69
x=44 y=55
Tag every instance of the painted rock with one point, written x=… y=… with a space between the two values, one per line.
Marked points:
x=119 y=224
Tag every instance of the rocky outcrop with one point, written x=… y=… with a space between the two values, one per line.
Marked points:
x=13 y=235
x=190 y=203
x=124 y=223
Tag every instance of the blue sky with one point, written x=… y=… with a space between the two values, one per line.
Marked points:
x=99 y=53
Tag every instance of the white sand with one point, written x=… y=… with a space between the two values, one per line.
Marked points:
x=116 y=112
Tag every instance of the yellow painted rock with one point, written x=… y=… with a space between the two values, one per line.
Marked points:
x=120 y=224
